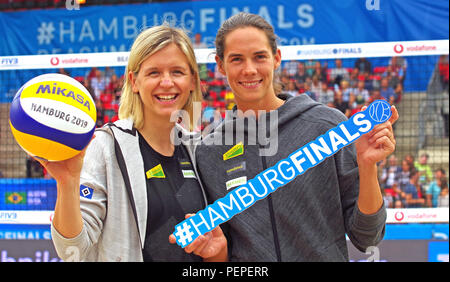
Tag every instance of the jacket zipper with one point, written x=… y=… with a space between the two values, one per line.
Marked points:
x=272 y=218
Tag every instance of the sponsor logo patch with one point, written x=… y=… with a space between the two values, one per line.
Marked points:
x=188 y=173
x=156 y=172
x=237 y=168
x=86 y=192
x=236 y=182
x=235 y=151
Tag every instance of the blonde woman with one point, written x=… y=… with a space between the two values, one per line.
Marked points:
x=120 y=199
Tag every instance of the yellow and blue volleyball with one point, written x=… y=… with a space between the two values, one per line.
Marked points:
x=53 y=117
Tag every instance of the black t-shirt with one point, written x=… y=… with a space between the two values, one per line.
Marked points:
x=172 y=192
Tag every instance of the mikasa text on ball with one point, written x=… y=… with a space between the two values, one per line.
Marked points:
x=53 y=117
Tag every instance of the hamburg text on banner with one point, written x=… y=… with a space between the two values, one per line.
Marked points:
x=269 y=180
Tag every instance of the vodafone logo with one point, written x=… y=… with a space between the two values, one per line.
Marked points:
x=399 y=216
x=64 y=60
x=54 y=61
x=398 y=48
x=419 y=215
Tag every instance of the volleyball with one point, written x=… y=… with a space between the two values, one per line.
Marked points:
x=53 y=117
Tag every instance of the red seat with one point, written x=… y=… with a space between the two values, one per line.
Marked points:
x=375 y=77
x=379 y=69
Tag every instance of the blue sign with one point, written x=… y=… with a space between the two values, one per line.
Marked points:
x=268 y=181
x=438 y=251
x=25 y=232
x=417 y=231
x=113 y=28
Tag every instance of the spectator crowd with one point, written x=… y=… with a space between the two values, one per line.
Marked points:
x=405 y=184
x=347 y=89
x=411 y=183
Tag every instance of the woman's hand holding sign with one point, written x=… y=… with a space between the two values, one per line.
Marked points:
x=379 y=143
x=211 y=246
x=370 y=149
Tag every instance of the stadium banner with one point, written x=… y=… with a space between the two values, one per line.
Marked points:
x=411 y=215
x=386 y=251
x=112 y=28
x=206 y=55
x=27 y=194
x=28 y=251
x=402 y=251
x=26 y=217
x=25 y=232
x=417 y=215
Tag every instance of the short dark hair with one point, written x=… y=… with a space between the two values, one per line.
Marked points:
x=441 y=170
x=244 y=20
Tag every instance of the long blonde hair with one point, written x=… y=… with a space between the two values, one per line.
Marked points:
x=147 y=43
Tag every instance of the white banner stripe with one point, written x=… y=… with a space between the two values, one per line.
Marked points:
x=295 y=52
x=417 y=215
x=411 y=215
x=26 y=217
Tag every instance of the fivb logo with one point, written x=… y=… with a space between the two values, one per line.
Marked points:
x=282 y=173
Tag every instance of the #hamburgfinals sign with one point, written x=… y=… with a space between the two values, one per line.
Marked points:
x=282 y=173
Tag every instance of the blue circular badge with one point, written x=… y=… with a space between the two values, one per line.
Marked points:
x=380 y=111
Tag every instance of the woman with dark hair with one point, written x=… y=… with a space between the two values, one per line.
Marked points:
x=308 y=218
